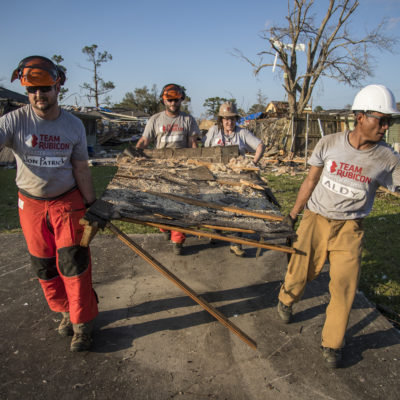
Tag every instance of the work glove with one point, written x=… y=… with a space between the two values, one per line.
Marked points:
x=98 y=212
x=91 y=217
x=289 y=221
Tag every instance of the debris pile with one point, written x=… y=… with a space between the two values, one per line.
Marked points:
x=189 y=192
x=272 y=131
x=111 y=132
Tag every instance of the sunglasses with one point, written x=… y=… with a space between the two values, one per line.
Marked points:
x=382 y=120
x=174 y=100
x=34 y=89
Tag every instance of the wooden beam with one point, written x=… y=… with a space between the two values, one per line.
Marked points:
x=210 y=235
x=215 y=206
x=396 y=194
x=227 y=228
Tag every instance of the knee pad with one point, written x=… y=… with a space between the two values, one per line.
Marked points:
x=44 y=268
x=72 y=261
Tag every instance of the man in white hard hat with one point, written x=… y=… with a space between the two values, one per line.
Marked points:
x=171 y=128
x=338 y=192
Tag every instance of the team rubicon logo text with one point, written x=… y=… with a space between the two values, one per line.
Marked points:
x=349 y=171
x=46 y=142
x=171 y=128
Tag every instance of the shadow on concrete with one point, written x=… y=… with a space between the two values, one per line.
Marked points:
x=255 y=297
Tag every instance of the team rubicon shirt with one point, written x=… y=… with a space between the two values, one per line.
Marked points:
x=43 y=150
x=350 y=177
x=240 y=137
x=170 y=132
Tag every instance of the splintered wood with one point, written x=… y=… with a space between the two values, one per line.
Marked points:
x=193 y=193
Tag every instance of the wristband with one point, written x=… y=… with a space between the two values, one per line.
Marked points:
x=88 y=204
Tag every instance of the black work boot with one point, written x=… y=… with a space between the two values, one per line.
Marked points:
x=65 y=327
x=82 y=339
x=285 y=312
x=167 y=235
x=332 y=357
x=178 y=248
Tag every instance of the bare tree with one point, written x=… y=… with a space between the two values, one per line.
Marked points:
x=331 y=50
x=99 y=87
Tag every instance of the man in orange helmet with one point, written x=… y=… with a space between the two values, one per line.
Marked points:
x=55 y=188
x=171 y=128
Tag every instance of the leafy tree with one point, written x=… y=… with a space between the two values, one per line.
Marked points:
x=261 y=104
x=331 y=49
x=99 y=87
x=58 y=59
x=142 y=99
x=212 y=105
x=147 y=100
x=318 y=109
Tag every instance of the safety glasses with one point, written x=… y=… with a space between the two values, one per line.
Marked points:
x=173 y=100
x=34 y=89
x=383 y=121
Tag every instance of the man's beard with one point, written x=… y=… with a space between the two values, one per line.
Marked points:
x=45 y=104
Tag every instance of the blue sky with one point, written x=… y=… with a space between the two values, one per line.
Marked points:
x=187 y=42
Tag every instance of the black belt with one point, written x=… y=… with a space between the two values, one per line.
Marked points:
x=26 y=194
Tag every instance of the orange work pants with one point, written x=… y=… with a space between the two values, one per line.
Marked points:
x=53 y=234
x=176 y=237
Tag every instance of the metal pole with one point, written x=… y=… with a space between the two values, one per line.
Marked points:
x=320 y=128
x=293 y=136
x=306 y=144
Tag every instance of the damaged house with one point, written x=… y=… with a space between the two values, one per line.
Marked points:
x=9 y=101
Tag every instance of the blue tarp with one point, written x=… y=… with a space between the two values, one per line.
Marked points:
x=104 y=109
x=249 y=117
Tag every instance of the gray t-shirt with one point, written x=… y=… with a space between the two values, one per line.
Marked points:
x=350 y=177
x=240 y=137
x=43 y=150
x=170 y=132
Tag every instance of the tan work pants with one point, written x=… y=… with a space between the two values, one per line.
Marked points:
x=320 y=238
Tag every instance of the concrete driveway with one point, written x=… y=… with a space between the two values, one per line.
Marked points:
x=153 y=342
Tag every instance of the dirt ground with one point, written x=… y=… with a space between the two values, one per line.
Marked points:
x=153 y=342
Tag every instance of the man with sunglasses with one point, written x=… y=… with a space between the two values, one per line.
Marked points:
x=346 y=170
x=55 y=187
x=171 y=128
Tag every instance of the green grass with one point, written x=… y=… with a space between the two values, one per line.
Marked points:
x=380 y=266
x=380 y=276
x=9 y=221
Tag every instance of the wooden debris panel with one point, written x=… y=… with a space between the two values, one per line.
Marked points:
x=187 y=190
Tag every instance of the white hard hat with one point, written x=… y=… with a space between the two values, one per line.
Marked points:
x=375 y=98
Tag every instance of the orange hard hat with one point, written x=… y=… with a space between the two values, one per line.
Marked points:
x=38 y=71
x=172 y=91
